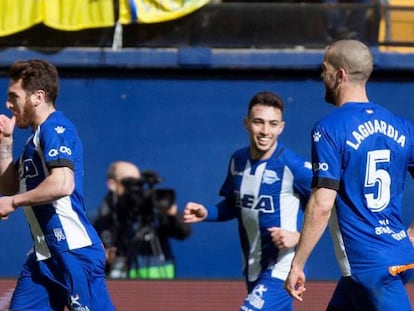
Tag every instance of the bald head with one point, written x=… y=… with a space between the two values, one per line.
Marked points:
x=120 y=170
x=123 y=169
x=353 y=56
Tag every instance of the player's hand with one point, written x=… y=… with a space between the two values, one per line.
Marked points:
x=6 y=128
x=6 y=207
x=110 y=254
x=295 y=284
x=282 y=238
x=194 y=212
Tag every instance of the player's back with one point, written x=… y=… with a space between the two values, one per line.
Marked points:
x=374 y=151
x=376 y=148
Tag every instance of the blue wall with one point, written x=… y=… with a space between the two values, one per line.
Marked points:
x=185 y=127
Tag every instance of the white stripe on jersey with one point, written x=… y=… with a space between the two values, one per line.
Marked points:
x=250 y=185
x=340 y=252
x=78 y=236
x=289 y=208
x=41 y=249
x=289 y=202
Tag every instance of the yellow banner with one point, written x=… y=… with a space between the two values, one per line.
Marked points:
x=155 y=11
x=73 y=15
x=78 y=14
x=19 y=15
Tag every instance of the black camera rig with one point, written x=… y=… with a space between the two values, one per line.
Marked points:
x=143 y=200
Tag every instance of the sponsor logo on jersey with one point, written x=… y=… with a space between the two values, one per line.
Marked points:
x=75 y=305
x=320 y=166
x=28 y=169
x=263 y=203
x=56 y=152
x=255 y=298
x=384 y=228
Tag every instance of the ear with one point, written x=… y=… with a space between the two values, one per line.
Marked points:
x=282 y=127
x=340 y=74
x=38 y=97
x=246 y=122
x=111 y=184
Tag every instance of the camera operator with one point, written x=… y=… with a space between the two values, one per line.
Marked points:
x=135 y=222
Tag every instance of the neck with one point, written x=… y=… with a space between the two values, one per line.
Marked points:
x=353 y=94
x=257 y=154
x=43 y=116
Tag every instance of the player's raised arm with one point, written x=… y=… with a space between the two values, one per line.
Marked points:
x=8 y=174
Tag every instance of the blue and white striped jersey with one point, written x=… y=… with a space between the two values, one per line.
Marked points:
x=62 y=224
x=364 y=151
x=263 y=194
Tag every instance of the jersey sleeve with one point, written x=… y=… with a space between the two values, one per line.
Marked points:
x=225 y=209
x=301 y=169
x=221 y=212
x=58 y=144
x=326 y=159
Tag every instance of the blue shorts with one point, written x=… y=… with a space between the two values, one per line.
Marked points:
x=374 y=290
x=75 y=279
x=267 y=294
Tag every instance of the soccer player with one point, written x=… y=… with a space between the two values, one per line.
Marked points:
x=66 y=266
x=360 y=156
x=266 y=187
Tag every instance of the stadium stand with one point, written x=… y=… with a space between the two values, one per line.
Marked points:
x=396 y=29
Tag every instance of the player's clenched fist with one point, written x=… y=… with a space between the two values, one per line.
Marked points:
x=6 y=206
x=194 y=212
x=6 y=127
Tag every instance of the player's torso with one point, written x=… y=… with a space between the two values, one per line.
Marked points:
x=265 y=198
x=263 y=190
x=60 y=224
x=373 y=147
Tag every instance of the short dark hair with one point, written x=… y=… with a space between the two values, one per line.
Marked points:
x=266 y=98
x=36 y=74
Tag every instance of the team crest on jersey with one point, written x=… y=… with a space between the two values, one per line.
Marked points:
x=60 y=129
x=59 y=235
x=270 y=177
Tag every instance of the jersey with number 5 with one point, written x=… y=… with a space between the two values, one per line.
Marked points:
x=363 y=151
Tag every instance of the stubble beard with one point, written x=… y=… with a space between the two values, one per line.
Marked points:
x=329 y=96
x=27 y=116
x=258 y=152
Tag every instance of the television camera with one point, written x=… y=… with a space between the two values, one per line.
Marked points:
x=142 y=200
